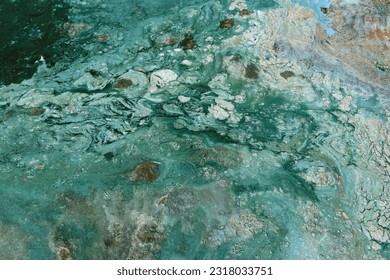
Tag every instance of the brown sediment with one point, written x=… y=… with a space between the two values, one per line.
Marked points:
x=103 y=38
x=147 y=172
x=379 y=33
x=170 y=41
x=188 y=43
x=124 y=83
x=227 y=23
x=35 y=111
x=244 y=12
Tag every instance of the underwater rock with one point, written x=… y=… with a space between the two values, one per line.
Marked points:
x=132 y=82
x=103 y=38
x=109 y=155
x=245 y=12
x=287 y=74
x=35 y=111
x=123 y=83
x=144 y=172
x=251 y=71
x=188 y=43
x=226 y=23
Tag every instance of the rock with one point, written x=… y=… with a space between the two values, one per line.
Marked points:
x=287 y=74
x=183 y=99
x=132 y=82
x=145 y=172
x=103 y=38
x=251 y=71
x=245 y=12
x=160 y=78
x=227 y=23
x=218 y=112
x=186 y=62
x=188 y=43
x=123 y=83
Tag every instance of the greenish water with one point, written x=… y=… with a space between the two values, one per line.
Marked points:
x=210 y=164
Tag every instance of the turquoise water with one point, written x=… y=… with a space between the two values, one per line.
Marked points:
x=99 y=161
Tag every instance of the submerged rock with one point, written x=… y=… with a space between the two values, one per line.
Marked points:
x=251 y=71
x=227 y=23
x=188 y=43
x=144 y=172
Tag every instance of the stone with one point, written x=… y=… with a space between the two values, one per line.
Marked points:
x=188 y=43
x=287 y=74
x=160 y=78
x=227 y=23
x=183 y=99
x=251 y=71
x=123 y=83
x=245 y=12
x=145 y=172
